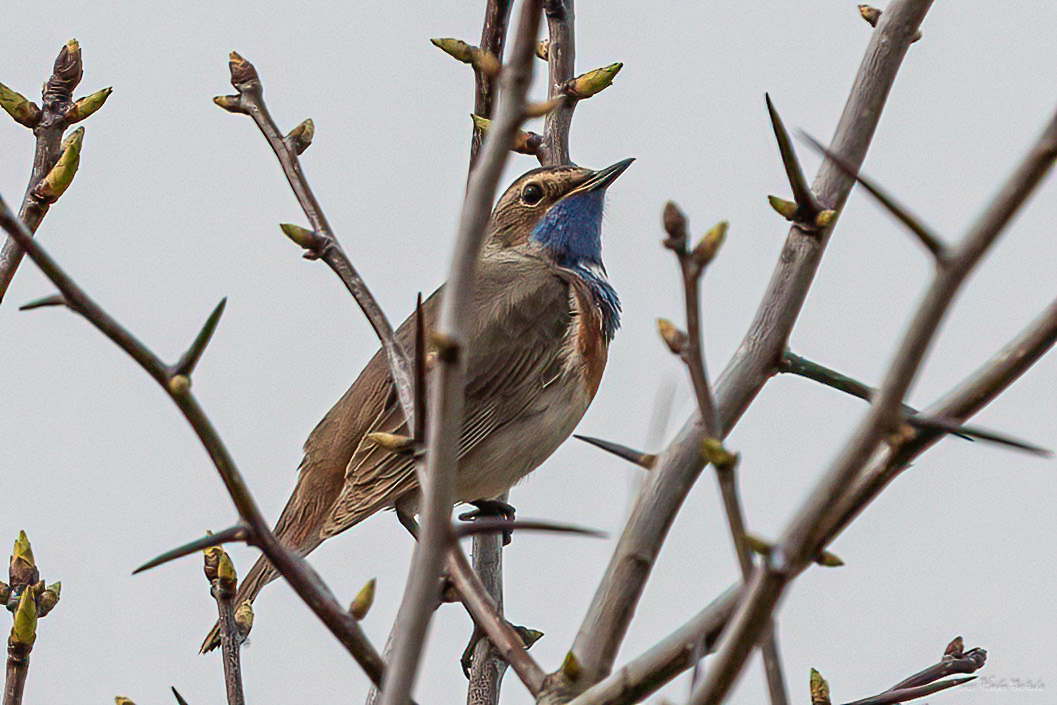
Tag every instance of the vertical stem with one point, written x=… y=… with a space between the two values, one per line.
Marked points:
x=561 y=58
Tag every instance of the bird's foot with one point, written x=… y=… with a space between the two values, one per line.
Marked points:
x=528 y=638
x=489 y=508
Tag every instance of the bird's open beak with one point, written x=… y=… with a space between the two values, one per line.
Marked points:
x=602 y=178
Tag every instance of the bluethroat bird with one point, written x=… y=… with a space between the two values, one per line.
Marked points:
x=544 y=314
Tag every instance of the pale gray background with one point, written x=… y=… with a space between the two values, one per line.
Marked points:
x=176 y=205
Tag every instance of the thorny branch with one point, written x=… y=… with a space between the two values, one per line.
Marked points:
x=320 y=242
x=302 y=578
x=676 y=470
x=808 y=525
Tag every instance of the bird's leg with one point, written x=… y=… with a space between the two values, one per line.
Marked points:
x=486 y=508
x=528 y=638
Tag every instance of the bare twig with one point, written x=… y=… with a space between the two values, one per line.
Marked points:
x=220 y=572
x=487 y=667
x=486 y=674
x=324 y=245
x=677 y=468
x=642 y=676
x=927 y=681
x=561 y=58
x=302 y=578
x=484 y=613
x=48 y=123
x=803 y=532
x=446 y=403
x=692 y=264
x=493 y=39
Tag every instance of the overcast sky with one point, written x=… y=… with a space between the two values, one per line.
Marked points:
x=176 y=205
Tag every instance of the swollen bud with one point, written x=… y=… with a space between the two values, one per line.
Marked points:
x=88 y=105
x=300 y=138
x=819 y=689
x=706 y=249
x=22 y=109
x=675 y=339
x=593 y=82
x=713 y=451
x=24 y=628
x=675 y=225
x=22 y=569
x=361 y=605
x=784 y=208
x=61 y=175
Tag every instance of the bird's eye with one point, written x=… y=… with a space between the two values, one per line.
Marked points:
x=532 y=194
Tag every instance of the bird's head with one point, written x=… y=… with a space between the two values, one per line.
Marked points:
x=556 y=211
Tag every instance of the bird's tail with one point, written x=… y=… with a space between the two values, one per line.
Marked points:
x=298 y=529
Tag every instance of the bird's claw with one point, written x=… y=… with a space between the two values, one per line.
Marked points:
x=486 y=508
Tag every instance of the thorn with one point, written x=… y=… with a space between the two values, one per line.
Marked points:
x=806 y=205
x=176 y=694
x=239 y=532
x=53 y=300
x=645 y=461
x=931 y=242
x=420 y=374
x=189 y=360
x=952 y=426
x=492 y=525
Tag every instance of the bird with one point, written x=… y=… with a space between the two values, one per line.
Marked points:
x=543 y=316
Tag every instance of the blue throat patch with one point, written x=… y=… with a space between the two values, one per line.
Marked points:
x=572 y=231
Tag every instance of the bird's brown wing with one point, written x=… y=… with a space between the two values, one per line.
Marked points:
x=517 y=338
